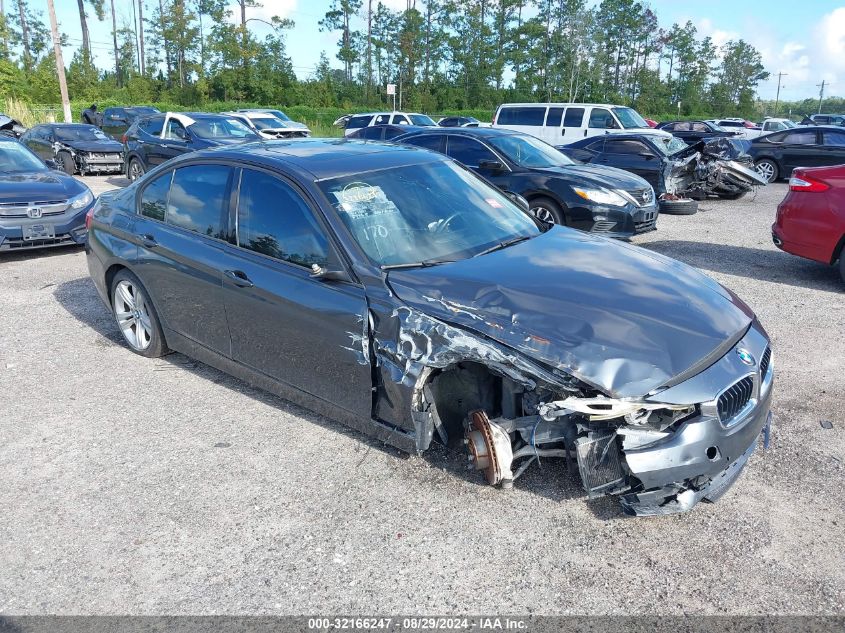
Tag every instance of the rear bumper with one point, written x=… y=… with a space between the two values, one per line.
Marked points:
x=816 y=252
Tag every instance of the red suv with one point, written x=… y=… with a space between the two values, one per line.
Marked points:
x=811 y=219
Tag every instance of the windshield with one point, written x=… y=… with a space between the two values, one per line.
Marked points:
x=268 y=123
x=16 y=159
x=421 y=119
x=221 y=128
x=429 y=212
x=527 y=151
x=668 y=145
x=279 y=115
x=629 y=118
x=80 y=133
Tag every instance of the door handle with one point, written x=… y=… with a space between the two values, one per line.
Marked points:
x=239 y=278
x=147 y=240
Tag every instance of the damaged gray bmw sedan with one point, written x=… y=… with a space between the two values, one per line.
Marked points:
x=392 y=289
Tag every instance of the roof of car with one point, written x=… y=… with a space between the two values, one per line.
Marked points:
x=326 y=158
x=470 y=131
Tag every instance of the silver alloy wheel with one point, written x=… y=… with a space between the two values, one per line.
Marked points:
x=135 y=171
x=133 y=317
x=543 y=214
x=766 y=170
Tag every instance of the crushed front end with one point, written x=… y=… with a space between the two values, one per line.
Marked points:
x=659 y=454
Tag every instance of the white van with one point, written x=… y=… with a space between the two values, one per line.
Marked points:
x=564 y=123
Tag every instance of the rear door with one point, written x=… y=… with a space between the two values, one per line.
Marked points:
x=37 y=141
x=552 y=130
x=305 y=332
x=182 y=225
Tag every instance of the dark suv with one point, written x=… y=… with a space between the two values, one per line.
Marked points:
x=155 y=139
x=117 y=120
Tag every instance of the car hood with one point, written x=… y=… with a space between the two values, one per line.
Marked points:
x=109 y=146
x=620 y=318
x=38 y=186
x=601 y=175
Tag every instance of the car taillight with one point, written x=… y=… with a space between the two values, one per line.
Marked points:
x=807 y=183
x=89 y=217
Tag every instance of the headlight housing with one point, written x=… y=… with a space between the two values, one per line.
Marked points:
x=81 y=200
x=601 y=196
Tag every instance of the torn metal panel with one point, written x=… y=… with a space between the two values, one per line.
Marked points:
x=624 y=325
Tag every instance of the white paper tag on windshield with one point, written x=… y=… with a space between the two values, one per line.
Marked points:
x=361 y=200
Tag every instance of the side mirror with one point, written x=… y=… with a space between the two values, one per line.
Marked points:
x=324 y=274
x=51 y=164
x=518 y=200
x=490 y=165
x=647 y=155
x=610 y=124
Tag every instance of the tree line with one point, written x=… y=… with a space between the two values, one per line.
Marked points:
x=441 y=54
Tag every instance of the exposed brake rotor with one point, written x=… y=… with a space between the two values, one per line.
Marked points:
x=489 y=448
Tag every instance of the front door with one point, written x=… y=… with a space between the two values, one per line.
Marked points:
x=309 y=333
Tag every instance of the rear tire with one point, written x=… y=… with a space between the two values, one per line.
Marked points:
x=66 y=161
x=684 y=206
x=547 y=210
x=136 y=316
x=134 y=170
x=767 y=168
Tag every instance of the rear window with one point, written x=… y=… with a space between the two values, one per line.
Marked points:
x=199 y=200
x=154 y=197
x=152 y=126
x=834 y=138
x=554 y=117
x=429 y=141
x=574 y=117
x=521 y=116
x=801 y=138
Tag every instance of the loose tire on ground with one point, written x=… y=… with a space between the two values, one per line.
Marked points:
x=684 y=206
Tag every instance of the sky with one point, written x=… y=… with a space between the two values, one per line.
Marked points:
x=805 y=41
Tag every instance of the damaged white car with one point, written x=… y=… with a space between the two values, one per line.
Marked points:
x=392 y=289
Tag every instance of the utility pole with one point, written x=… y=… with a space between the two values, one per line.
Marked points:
x=60 y=62
x=777 y=98
x=821 y=95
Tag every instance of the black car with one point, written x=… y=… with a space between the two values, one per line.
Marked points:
x=117 y=120
x=776 y=155
x=39 y=206
x=717 y=167
x=76 y=147
x=691 y=132
x=458 y=121
x=590 y=198
x=152 y=140
x=392 y=289
x=382 y=132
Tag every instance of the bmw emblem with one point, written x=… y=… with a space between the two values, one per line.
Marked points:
x=745 y=356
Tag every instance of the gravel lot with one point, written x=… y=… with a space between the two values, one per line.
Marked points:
x=164 y=486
